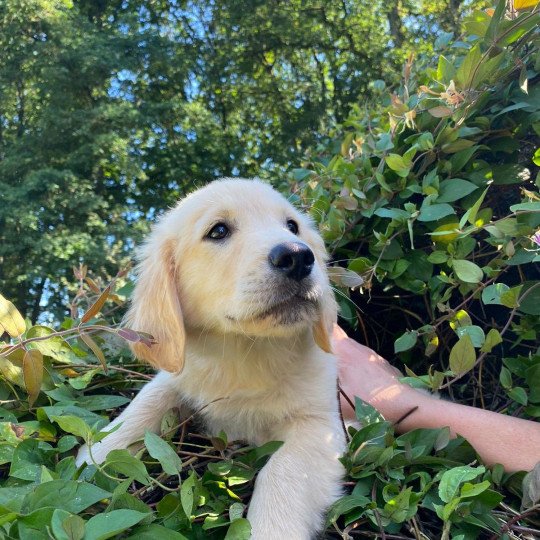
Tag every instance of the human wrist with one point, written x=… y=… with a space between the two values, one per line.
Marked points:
x=402 y=405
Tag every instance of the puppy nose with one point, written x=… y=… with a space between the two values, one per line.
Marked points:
x=294 y=259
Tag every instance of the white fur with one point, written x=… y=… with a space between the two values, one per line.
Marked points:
x=257 y=378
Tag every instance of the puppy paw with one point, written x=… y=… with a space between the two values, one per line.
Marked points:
x=99 y=454
x=83 y=456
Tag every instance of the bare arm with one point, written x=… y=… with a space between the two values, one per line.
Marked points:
x=495 y=437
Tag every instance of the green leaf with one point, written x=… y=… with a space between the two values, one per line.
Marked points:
x=470 y=214
x=301 y=174
x=453 y=478
x=454 y=189
x=510 y=298
x=343 y=277
x=493 y=339
x=443 y=438
x=406 y=341
x=68 y=495
x=472 y=490
x=240 y=529
x=462 y=356
x=262 y=452
x=186 y=494
x=124 y=463
x=509 y=173
x=518 y=394
x=445 y=70
x=467 y=271
x=236 y=511
x=438 y=257
x=434 y=212
x=54 y=346
x=530 y=298
x=110 y=524
x=384 y=143
x=28 y=458
x=74 y=425
x=492 y=293
x=531 y=487
x=393 y=213
x=101 y=402
x=474 y=332
x=495 y=21
x=12 y=498
x=398 y=163
x=155 y=532
x=66 y=526
x=466 y=76
x=526 y=207
x=345 y=505
x=90 y=418
x=160 y=450
x=505 y=377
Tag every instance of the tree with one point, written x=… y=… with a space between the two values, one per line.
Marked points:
x=112 y=110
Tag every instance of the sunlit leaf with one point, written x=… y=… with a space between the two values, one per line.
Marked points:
x=94 y=347
x=11 y=320
x=160 y=450
x=467 y=271
x=95 y=308
x=462 y=356
x=33 y=374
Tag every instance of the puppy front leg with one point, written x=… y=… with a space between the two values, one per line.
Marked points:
x=145 y=412
x=299 y=482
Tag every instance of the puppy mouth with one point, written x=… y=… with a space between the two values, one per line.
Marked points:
x=289 y=309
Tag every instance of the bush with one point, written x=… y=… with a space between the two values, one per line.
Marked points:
x=431 y=197
x=433 y=200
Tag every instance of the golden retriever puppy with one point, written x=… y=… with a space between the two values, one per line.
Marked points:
x=232 y=285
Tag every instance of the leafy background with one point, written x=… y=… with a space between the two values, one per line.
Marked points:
x=421 y=170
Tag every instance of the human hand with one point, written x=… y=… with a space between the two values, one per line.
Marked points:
x=363 y=373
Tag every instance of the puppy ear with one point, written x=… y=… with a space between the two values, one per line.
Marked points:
x=155 y=308
x=322 y=329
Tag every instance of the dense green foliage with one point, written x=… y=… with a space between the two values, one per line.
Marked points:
x=434 y=201
x=429 y=191
x=109 y=111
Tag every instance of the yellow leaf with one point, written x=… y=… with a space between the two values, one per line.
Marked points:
x=92 y=284
x=11 y=320
x=462 y=356
x=11 y=367
x=524 y=4
x=97 y=305
x=441 y=235
x=95 y=349
x=440 y=112
x=33 y=374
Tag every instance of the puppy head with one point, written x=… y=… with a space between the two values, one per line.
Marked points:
x=234 y=257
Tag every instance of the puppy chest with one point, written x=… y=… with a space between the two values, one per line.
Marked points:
x=243 y=413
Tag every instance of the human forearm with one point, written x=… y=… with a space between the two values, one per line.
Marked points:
x=512 y=442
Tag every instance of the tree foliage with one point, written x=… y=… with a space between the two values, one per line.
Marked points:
x=111 y=110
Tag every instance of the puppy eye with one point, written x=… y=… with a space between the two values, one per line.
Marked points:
x=218 y=232
x=292 y=226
